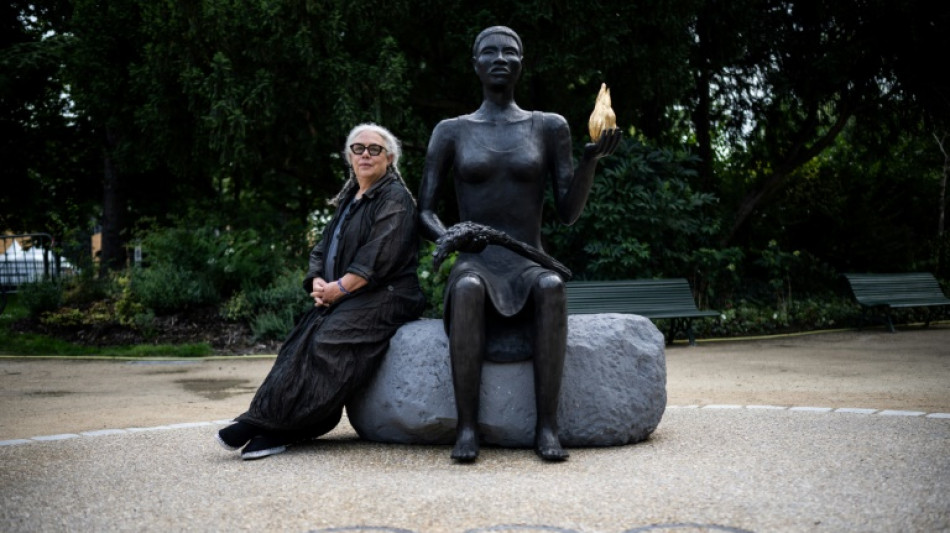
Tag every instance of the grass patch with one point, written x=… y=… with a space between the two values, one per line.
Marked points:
x=32 y=344
x=13 y=343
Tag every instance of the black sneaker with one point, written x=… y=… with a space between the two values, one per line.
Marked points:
x=264 y=445
x=236 y=435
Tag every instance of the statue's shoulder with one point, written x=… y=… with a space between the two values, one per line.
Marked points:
x=553 y=124
x=449 y=126
x=552 y=120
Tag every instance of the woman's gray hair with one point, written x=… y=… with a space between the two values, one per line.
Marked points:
x=392 y=146
x=390 y=142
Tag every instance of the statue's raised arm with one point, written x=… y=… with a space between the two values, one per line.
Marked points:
x=573 y=186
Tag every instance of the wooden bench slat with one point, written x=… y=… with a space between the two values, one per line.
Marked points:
x=653 y=298
x=896 y=290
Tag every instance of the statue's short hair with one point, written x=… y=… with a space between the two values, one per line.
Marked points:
x=504 y=30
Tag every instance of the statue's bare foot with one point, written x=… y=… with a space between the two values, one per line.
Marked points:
x=466 y=447
x=548 y=447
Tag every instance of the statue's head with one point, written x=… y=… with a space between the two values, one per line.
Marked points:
x=496 y=30
x=497 y=55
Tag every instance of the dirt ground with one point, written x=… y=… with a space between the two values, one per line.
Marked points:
x=907 y=370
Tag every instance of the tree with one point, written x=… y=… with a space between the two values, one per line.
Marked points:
x=800 y=73
x=47 y=185
x=237 y=110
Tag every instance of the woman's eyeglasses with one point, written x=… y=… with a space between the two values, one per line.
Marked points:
x=374 y=149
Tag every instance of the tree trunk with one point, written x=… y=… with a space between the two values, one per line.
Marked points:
x=701 y=114
x=112 y=256
x=941 y=218
x=774 y=183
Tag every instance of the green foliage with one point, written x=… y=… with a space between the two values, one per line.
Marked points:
x=716 y=275
x=642 y=220
x=271 y=325
x=67 y=316
x=805 y=120
x=86 y=288
x=16 y=343
x=270 y=310
x=748 y=317
x=128 y=311
x=164 y=288
x=41 y=296
x=45 y=151
x=192 y=267
x=938 y=256
x=778 y=266
x=12 y=343
x=826 y=311
x=856 y=212
x=433 y=281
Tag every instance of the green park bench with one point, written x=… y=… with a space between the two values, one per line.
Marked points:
x=880 y=293
x=653 y=298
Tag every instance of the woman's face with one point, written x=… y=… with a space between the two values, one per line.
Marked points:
x=498 y=60
x=369 y=168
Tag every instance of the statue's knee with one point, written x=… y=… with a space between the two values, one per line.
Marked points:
x=550 y=284
x=468 y=288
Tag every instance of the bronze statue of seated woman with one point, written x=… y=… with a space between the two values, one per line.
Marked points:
x=502 y=158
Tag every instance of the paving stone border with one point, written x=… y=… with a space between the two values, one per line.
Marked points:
x=802 y=409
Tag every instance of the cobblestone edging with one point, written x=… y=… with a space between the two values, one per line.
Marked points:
x=803 y=409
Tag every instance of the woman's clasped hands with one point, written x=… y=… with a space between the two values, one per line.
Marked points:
x=324 y=293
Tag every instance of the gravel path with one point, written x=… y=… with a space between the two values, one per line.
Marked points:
x=840 y=431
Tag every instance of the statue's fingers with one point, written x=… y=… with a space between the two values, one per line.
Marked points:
x=615 y=138
x=608 y=143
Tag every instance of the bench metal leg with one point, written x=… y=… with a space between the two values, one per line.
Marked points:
x=886 y=318
x=676 y=325
x=681 y=324
x=689 y=332
x=890 y=323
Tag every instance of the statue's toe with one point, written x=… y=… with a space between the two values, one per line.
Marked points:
x=465 y=452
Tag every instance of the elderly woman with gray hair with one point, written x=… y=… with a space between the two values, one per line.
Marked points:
x=362 y=279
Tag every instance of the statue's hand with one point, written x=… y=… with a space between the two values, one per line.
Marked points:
x=608 y=142
x=462 y=237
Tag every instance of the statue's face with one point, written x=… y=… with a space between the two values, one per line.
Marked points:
x=498 y=60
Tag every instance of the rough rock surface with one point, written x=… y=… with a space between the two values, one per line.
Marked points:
x=613 y=391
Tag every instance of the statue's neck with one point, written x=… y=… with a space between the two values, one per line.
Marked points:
x=499 y=110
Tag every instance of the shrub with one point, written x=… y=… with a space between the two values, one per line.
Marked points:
x=433 y=281
x=643 y=219
x=750 y=317
x=271 y=325
x=716 y=275
x=272 y=310
x=66 y=316
x=41 y=296
x=194 y=266
x=166 y=289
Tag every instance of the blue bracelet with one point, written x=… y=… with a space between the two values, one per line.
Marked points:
x=342 y=288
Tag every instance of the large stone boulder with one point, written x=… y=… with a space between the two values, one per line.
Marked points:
x=613 y=391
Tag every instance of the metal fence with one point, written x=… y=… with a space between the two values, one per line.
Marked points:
x=28 y=258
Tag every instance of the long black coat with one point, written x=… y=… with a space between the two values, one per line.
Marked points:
x=333 y=350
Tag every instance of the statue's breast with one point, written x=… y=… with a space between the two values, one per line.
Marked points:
x=510 y=152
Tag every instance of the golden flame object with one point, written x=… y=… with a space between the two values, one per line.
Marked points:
x=603 y=117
